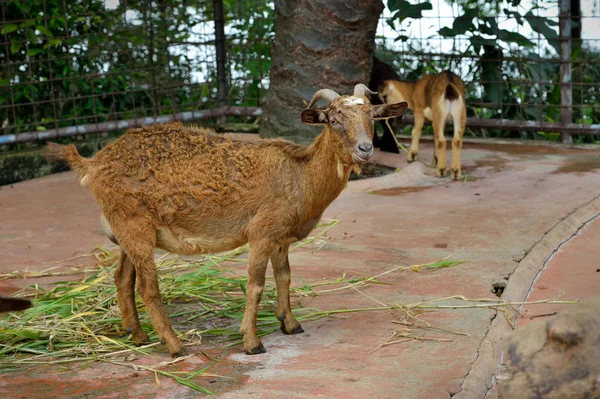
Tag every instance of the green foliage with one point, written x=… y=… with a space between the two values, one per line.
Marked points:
x=251 y=39
x=72 y=63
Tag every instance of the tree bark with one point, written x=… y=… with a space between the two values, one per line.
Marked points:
x=319 y=44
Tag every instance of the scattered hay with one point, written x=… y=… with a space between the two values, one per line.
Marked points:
x=79 y=321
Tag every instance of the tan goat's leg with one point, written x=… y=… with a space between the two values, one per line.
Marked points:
x=438 y=131
x=416 y=136
x=460 y=120
x=257 y=267
x=281 y=270
x=435 y=150
x=147 y=284
x=125 y=281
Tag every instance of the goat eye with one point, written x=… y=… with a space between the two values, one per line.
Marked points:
x=333 y=122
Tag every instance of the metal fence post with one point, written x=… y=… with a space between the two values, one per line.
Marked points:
x=221 y=55
x=566 y=73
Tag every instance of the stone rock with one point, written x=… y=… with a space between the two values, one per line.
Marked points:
x=556 y=358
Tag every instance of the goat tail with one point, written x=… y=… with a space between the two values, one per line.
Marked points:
x=452 y=92
x=67 y=153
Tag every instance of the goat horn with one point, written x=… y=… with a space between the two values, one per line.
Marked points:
x=325 y=94
x=361 y=90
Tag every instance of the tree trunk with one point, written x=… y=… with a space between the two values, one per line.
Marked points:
x=319 y=44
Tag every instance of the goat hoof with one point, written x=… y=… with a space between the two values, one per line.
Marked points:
x=412 y=157
x=440 y=172
x=140 y=338
x=297 y=330
x=179 y=353
x=456 y=174
x=257 y=350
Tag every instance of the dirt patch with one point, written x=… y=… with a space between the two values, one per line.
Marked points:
x=236 y=373
x=496 y=164
x=400 y=190
x=370 y=170
x=520 y=149
x=580 y=164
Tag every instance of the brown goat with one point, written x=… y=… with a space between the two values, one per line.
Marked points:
x=10 y=304
x=437 y=98
x=188 y=191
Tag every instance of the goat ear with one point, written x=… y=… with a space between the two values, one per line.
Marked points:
x=313 y=117
x=387 y=111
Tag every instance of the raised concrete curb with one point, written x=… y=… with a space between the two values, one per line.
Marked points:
x=480 y=379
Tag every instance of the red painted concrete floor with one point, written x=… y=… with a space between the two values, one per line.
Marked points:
x=573 y=272
x=512 y=196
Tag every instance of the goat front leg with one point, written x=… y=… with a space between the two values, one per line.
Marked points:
x=125 y=282
x=281 y=270
x=257 y=267
x=416 y=136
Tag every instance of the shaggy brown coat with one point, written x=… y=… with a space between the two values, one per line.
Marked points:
x=188 y=191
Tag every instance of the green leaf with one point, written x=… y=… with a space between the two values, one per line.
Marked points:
x=461 y=25
x=408 y=10
x=27 y=24
x=514 y=37
x=444 y=263
x=31 y=36
x=533 y=112
x=34 y=51
x=542 y=25
x=8 y=28
x=190 y=384
x=4 y=82
x=478 y=41
x=447 y=32
x=43 y=30
x=15 y=47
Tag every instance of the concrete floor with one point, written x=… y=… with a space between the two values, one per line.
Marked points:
x=513 y=198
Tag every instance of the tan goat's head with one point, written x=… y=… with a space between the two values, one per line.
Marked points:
x=351 y=118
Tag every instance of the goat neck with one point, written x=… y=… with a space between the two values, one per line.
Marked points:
x=326 y=172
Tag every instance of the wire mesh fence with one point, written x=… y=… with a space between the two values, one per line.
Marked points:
x=76 y=67
x=521 y=60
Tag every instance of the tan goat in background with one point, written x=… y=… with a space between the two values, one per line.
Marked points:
x=188 y=191
x=437 y=98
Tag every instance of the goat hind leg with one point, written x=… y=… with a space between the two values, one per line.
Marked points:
x=257 y=267
x=125 y=281
x=147 y=282
x=415 y=137
x=460 y=119
x=438 y=131
x=281 y=270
